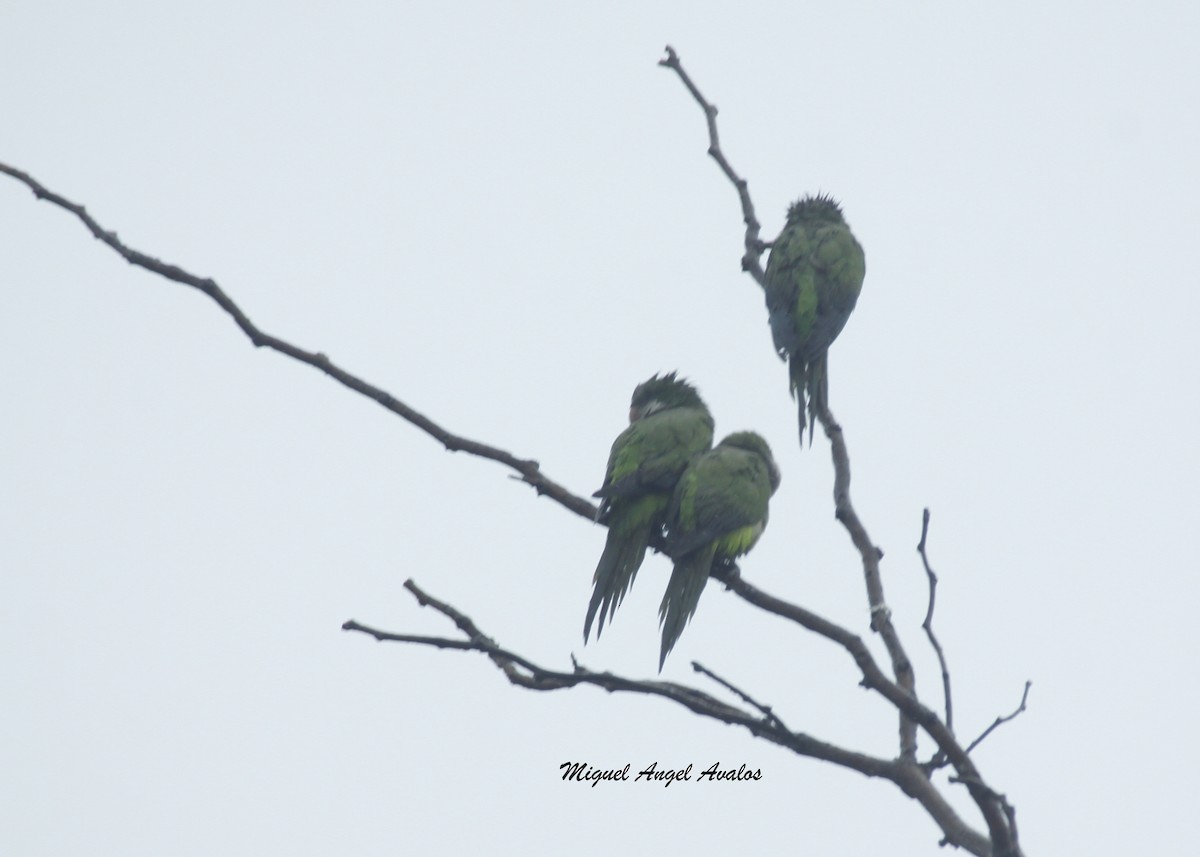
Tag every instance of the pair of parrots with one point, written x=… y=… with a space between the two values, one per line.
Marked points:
x=665 y=479
x=710 y=504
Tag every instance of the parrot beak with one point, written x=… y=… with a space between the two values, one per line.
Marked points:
x=635 y=414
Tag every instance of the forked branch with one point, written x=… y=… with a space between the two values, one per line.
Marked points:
x=903 y=694
x=880 y=616
x=1000 y=721
x=523 y=672
x=766 y=724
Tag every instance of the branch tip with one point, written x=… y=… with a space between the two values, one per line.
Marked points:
x=259 y=339
x=928 y=623
x=714 y=150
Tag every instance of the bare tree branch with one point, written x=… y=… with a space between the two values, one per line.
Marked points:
x=1010 y=812
x=880 y=617
x=1000 y=721
x=912 y=779
x=528 y=470
x=928 y=623
x=939 y=758
x=524 y=673
x=873 y=677
x=754 y=245
x=903 y=693
x=745 y=697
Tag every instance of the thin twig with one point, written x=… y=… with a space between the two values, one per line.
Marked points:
x=928 y=623
x=1000 y=721
x=745 y=697
x=754 y=245
x=527 y=470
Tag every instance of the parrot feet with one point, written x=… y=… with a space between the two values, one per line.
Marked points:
x=725 y=570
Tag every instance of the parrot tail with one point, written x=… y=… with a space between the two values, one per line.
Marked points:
x=622 y=557
x=812 y=380
x=798 y=372
x=682 y=596
x=818 y=392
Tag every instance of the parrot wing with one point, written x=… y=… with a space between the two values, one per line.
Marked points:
x=717 y=511
x=814 y=277
x=724 y=492
x=643 y=467
x=651 y=453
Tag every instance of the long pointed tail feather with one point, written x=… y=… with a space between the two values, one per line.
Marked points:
x=812 y=380
x=818 y=391
x=622 y=557
x=798 y=372
x=682 y=596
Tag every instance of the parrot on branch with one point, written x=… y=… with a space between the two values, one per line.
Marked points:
x=814 y=276
x=669 y=425
x=717 y=513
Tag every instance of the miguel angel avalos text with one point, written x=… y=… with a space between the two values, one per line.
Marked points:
x=584 y=773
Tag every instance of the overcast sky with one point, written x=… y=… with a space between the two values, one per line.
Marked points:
x=503 y=214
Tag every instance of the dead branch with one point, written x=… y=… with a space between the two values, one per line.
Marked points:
x=524 y=673
x=903 y=693
x=873 y=677
x=1000 y=721
x=880 y=618
x=766 y=710
x=928 y=623
x=527 y=470
x=754 y=245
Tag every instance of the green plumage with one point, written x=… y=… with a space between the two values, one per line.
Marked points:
x=669 y=425
x=716 y=513
x=814 y=276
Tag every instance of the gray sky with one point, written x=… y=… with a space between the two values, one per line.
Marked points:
x=504 y=215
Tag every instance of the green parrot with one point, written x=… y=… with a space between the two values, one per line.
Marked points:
x=669 y=425
x=814 y=276
x=717 y=513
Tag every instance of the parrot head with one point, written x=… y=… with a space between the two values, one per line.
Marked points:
x=819 y=208
x=660 y=394
x=750 y=441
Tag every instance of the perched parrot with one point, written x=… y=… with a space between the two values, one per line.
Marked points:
x=814 y=276
x=669 y=425
x=717 y=513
